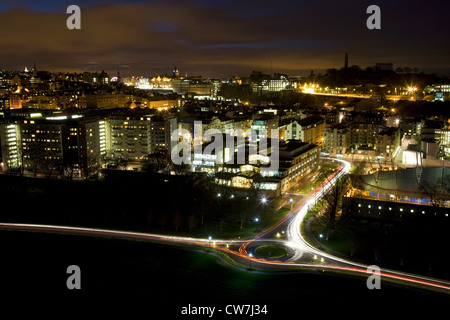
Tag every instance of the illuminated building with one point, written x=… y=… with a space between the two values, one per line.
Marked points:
x=130 y=137
x=15 y=101
x=4 y=103
x=81 y=146
x=55 y=145
x=163 y=104
x=157 y=134
x=364 y=128
x=181 y=86
x=41 y=144
x=297 y=159
x=263 y=126
x=175 y=72
x=384 y=144
x=445 y=88
x=336 y=139
x=402 y=208
x=265 y=83
x=310 y=130
x=10 y=141
x=104 y=101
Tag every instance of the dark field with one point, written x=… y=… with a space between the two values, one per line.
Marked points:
x=158 y=277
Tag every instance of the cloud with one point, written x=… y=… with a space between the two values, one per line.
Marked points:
x=221 y=38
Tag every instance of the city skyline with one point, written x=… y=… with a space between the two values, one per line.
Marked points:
x=240 y=157
x=218 y=39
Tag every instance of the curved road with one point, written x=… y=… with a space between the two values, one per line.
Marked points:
x=302 y=254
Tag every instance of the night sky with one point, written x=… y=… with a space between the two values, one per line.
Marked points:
x=223 y=38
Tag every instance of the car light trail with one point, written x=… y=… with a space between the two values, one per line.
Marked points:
x=295 y=240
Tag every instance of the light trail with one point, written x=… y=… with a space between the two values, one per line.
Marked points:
x=295 y=240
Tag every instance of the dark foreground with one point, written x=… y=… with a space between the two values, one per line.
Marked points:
x=164 y=279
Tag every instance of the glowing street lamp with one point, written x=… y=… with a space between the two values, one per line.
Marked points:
x=250 y=260
x=264 y=200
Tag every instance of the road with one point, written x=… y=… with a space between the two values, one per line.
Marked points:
x=301 y=253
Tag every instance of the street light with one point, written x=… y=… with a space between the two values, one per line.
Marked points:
x=290 y=202
x=264 y=200
x=251 y=256
x=219 y=195
x=256 y=219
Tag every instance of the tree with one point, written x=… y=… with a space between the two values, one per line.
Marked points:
x=158 y=161
x=180 y=169
x=193 y=222
x=432 y=191
x=149 y=217
x=52 y=166
x=91 y=168
x=177 y=219
x=331 y=204
x=204 y=191
x=162 y=220
x=68 y=171
x=247 y=206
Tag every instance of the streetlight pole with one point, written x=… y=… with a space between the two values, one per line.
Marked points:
x=251 y=256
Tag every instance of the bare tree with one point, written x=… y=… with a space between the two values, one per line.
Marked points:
x=149 y=217
x=203 y=183
x=432 y=191
x=92 y=167
x=331 y=204
x=177 y=219
x=68 y=171
x=193 y=222
x=162 y=220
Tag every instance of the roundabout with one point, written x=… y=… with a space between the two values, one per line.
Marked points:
x=271 y=251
